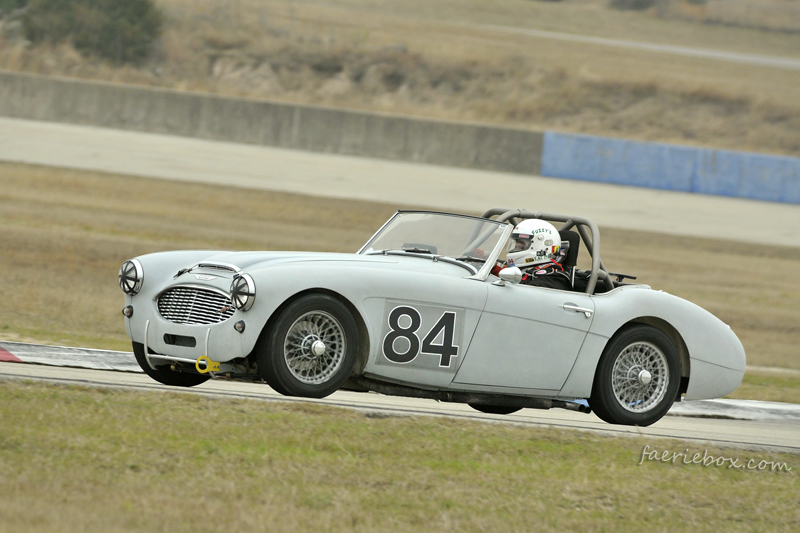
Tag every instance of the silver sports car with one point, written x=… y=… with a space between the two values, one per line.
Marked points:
x=417 y=312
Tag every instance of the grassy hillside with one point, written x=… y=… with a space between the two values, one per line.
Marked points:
x=439 y=58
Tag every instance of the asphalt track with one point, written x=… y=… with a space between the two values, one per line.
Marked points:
x=394 y=182
x=409 y=184
x=762 y=435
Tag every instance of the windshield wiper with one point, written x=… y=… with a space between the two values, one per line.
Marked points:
x=427 y=254
x=400 y=251
x=470 y=258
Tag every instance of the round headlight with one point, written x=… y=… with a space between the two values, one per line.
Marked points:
x=243 y=292
x=131 y=276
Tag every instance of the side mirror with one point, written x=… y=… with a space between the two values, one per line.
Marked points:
x=511 y=274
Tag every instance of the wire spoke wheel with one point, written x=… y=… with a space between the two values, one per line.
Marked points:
x=311 y=348
x=314 y=347
x=640 y=377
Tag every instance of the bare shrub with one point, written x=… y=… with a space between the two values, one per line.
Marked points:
x=635 y=5
x=10 y=5
x=112 y=29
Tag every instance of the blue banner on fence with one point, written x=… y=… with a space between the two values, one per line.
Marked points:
x=672 y=167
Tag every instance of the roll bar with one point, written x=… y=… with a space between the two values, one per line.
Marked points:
x=582 y=224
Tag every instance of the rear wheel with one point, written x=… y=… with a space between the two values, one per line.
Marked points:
x=637 y=378
x=163 y=374
x=311 y=348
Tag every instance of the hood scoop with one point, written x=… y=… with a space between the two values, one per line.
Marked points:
x=219 y=267
x=214 y=267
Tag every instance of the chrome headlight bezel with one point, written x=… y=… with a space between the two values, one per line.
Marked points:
x=243 y=292
x=131 y=277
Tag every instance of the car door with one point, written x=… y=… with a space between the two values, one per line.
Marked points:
x=527 y=338
x=422 y=326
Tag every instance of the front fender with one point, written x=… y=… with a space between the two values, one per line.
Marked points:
x=364 y=284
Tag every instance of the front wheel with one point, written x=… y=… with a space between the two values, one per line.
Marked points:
x=311 y=348
x=637 y=378
x=163 y=374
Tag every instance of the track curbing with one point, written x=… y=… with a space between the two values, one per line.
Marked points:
x=65 y=356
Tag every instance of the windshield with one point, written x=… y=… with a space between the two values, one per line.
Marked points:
x=457 y=236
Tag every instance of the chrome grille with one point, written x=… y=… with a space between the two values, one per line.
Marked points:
x=190 y=305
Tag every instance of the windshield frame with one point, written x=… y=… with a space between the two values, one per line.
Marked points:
x=486 y=268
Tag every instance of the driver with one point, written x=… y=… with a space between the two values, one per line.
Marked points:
x=536 y=248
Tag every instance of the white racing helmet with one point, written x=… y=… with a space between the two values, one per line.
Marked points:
x=533 y=242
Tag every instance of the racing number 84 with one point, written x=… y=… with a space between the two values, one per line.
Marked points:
x=445 y=350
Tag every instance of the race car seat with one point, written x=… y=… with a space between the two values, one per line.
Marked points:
x=574 y=245
x=571 y=260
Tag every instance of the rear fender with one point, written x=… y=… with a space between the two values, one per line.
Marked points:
x=697 y=334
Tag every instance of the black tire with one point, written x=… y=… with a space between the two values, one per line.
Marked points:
x=164 y=375
x=494 y=409
x=622 y=392
x=286 y=356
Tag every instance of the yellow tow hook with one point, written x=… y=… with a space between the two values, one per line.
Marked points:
x=211 y=366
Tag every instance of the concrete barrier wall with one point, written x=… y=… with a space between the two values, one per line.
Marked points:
x=315 y=128
x=672 y=167
x=260 y=122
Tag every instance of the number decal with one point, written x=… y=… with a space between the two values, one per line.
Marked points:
x=445 y=350
x=398 y=332
x=445 y=326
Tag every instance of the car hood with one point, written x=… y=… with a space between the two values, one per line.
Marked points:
x=215 y=263
x=256 y=260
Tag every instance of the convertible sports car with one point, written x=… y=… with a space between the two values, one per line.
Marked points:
x=418 y=312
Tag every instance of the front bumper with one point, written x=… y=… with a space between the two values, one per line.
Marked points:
x=167 y=341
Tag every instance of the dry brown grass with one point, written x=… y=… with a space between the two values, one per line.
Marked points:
x=64 y=233
x=768 y=386
x=431 y=58
x=782 y=16
x=94 y=460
